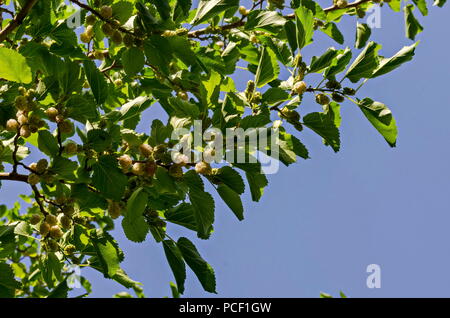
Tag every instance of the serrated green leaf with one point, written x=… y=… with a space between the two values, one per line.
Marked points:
x=304 y=20
x=136 y=203
x=208 y=9
x=108 y=178
x=422 y=6
x=47 y=143
x=14 y=67
x=135 y=229
x=269 y=21
x=412 y=25
x=342 y=60
x=381 y=118
x=268 y=68
x=199 y=266
x=107 y=252
x=97 y=81
x=202 y=203
x=231 y=178
x=324 y=126
x=176 y=263
x=232 y=199
x=318 y=64
x=389 y=64
x=333 y=32
x=364 y=65
x=133 y=61
x=363 y=33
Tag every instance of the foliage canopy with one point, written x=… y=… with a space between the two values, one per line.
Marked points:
x=76 y=77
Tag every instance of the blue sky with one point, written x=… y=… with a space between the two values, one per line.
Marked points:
x=322 y=221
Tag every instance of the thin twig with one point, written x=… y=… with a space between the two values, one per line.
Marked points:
x=17 y=20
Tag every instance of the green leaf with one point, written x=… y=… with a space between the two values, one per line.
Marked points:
x=232 y=199
x=182 y=214
x=82 y=108
x=324 y=126
x=231 y=178
x=270 y=21
x=318 y=64
x=108 y=178
x=183 y=108
x=133 y=61
x=134 y=224
x=304 y=20
x=202 y=203
x=135 y=229
x=208 y=9
x=199 y=266
x=47 y=143
x=333 y=32
x=122 y=10
x=96 y=81
x=14 y=67
x=8 y=284
x=107 y=252
x=381 y=118
x=363 y=33
x=268 y=68
x=422 y=5
x=136 y=203
x=364 y=65
x=257 y=182
x=275 y=95
x=412 y=26
x=176 y=263
x=60 y=291
x=389 y=64
x=439 y=3
x=98 y=139
x=181 y=10
x=341 y=63
x=134 y=107
x=163 y=8
x=64 y=167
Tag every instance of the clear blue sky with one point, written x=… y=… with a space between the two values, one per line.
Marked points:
x=322 y=221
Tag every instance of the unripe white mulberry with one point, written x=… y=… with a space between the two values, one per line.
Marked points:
x=146 y=150
x=203 y=167
x=55 y=232
x=125 y=162
x=12 y=125
x=138 y=169
x=35 y=219
x=106 y=12
x=51 y=219
x=299 y=87
x=44 y=228
x=33 y=179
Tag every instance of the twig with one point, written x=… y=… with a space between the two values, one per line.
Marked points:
x=17 y=20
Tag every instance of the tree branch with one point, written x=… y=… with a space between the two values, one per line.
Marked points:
x=13 y=176
x=207 y=30
x=17 y=20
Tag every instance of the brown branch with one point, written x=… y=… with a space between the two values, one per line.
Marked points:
x=38 y=196
x=17 y=20
x=207 y=30
x=7 y=11
x=13 y=176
